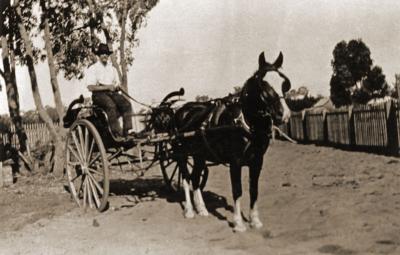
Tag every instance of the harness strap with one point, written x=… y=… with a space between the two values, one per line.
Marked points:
x=133 y=99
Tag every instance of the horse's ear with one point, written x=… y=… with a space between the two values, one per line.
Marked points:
x=261 y=61
x=278 y=62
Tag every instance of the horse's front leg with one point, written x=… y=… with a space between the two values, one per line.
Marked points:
x=236 y=181
x=188 y=207
x=198 y=167
x=255 y=170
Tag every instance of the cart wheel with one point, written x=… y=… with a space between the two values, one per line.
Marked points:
x=170 y=169
x=87 y=166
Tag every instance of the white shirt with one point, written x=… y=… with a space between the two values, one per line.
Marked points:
x=98 y=74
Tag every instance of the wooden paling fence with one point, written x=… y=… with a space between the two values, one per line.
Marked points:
x=37 y=134
x=364 y=127
x=396 y=110
x=338 y=126
x=370 y=125
x=296 y=126
x=315 y=126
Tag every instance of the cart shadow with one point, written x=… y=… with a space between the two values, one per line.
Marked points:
x=141 y=190
x=148 y=189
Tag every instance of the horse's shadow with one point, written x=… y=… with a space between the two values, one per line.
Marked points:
x=147 y=189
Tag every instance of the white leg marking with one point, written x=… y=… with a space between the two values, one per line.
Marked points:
x=238 y=225
x=255 y=221
x=188 y=203
x=199 y=203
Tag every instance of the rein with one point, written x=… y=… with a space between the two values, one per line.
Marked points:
x=133 y=99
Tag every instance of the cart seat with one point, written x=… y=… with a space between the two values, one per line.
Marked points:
x=100 y=119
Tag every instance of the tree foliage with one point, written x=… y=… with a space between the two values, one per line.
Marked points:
x=300 y=99
x=77 y=27
x=354 y=79
x=203 y=98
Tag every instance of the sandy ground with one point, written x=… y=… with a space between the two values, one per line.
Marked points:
x=313 y=200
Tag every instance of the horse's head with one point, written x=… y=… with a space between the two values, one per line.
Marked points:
x=260 y=102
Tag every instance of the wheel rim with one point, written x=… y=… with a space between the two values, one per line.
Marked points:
x=87 y=166
x=169 y=167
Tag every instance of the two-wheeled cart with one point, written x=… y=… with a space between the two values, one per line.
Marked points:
x=92 y=150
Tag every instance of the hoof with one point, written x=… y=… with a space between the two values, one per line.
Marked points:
x=203 y=212
x=239 y=227
x=189 y=214
x=256 y=223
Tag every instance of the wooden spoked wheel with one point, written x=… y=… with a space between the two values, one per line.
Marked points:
x=170 y=168
x=87 y=166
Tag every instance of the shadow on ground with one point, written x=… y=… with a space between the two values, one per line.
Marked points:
x=148 y=189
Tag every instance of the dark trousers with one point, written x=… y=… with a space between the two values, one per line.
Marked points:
x=115 y=105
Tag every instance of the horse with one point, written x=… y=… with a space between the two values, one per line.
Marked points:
x=235 y=131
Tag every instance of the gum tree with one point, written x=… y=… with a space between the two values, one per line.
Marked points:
x=354 y=79
x=8 y=42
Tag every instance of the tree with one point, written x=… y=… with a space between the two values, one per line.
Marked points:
x=203 y=98
x=353 y=80
x=50 y=58
x=300 y=99
x=71 y=31
x=375 y=83
x=68 y=45
x=75 y=28
x=23 y=13
x=8 y=74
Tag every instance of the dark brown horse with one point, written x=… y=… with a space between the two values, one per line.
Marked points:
x=235 y=130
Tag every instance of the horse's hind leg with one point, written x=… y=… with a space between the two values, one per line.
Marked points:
x=236 y=181
x=188 y=207
x=198 y=167
x=255 y=170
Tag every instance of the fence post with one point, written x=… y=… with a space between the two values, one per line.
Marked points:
x=391 y=126
x=352 y=128
x=304 y=122
x=2 y=150
x=325 y=127
x=289 y=127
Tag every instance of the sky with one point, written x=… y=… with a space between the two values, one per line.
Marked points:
x=210 y=46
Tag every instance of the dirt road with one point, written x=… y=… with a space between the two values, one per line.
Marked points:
x=313 y=200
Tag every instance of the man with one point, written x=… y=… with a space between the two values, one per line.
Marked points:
x=102 y=80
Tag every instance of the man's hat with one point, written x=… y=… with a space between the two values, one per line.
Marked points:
x=103 y=49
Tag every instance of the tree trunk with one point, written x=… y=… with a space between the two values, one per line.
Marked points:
x=57 y=139
x=124 y=69
x=11 y=89
x=53 y=73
